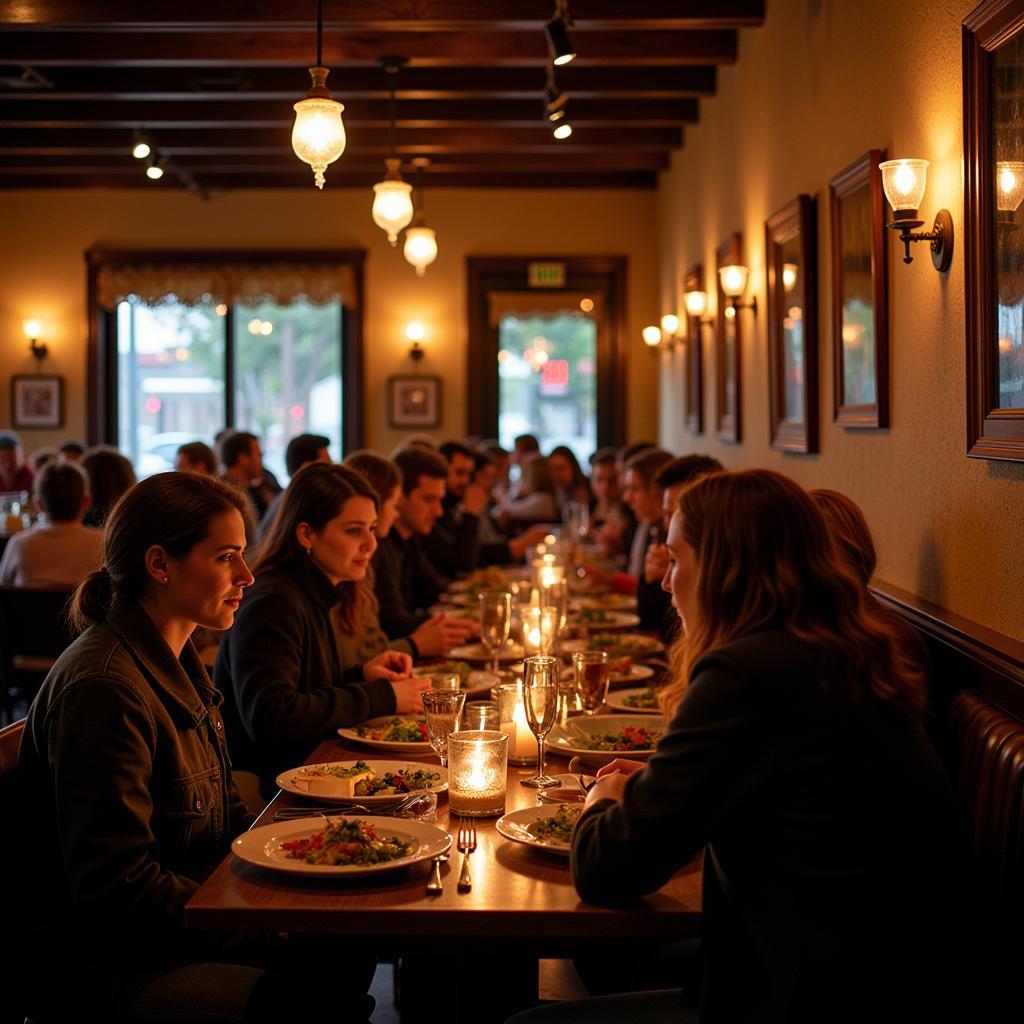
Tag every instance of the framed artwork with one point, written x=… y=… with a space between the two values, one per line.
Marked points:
x=792 y=326
x=993 y=69
x=860 y=304
x=414 y=402
x=37 y=402
x=694 y=357
x=728 y=398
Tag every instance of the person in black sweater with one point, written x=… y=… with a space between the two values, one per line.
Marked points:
x=285 y=680
x=795 y=759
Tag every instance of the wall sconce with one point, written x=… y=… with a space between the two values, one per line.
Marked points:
x=652 y=336
x=1009 y=191
x=415 y=332
x=670 y=328
x=39 y=349
x=733 y=279
x=904 y=183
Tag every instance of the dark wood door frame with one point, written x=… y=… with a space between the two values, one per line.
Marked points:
x=509 y=273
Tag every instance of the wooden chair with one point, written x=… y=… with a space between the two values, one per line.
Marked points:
x=33 y=633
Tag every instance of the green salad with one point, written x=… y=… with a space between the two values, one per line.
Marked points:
x=347 y=842
x=633 y=737
x=445 y=668
x=622 y=641
x=395 y=730
x=388 y=784
x=558 y=828
x=647 y=699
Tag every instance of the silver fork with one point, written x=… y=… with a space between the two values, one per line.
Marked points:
x=466 y=845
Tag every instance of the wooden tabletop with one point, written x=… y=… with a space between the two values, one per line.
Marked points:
x=518 y=892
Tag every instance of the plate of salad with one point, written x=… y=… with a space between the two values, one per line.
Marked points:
x=345 y=846
x=472 y=680
x=602 y=618
x=636 y=645
x=602 y=738
x=606 y=602
x=639 y=700
x=396 y=733
x=547 y=827
x=363 y=782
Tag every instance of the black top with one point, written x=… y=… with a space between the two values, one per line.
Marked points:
x=406 y=583
x=828 y=835
x=284 y=680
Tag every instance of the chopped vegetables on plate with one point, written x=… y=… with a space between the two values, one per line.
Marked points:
x=558 y=827
x=396 y=730
x=388 y=784
x=633 y=737
x=624 y=641
x=347 y=841
x=647 y=699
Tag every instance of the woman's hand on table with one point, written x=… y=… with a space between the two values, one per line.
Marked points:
x=611 y=779
x=408 y=694
x=435 y=636
x=390 y=665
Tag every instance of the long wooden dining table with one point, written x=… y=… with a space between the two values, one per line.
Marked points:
x=522 y=906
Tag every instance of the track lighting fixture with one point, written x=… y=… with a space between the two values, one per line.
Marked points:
x=557 y=32
x=141 y=147
x=154 y=168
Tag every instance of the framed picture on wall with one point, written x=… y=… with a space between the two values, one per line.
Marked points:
x=693 y=398
x=860 y=305
x=414 y=402
x=792 y=326
x=37 y=402
x=728 y=397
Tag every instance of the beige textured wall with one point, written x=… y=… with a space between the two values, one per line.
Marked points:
x=45 y=233
x=819 y=84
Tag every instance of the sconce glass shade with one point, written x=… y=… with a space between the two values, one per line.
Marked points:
x=734 y=279
x=670 y=324
x=652 y=336
x=904 y=183
x=1009 y=185
x=32 y=329
x=420 y=247
x=696 y=303
x=318 y=135
x=392 y=201
x=790 y=272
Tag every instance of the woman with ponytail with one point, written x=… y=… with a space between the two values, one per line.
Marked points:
x=795 y=759
x=127 y=795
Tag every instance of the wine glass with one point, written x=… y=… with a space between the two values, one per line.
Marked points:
x=443 y=709
x=592 y=677
x=555 y=594
x=495 y=622
x=540 y=699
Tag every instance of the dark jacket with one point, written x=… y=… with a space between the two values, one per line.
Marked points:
x=283 y=676
x=828 y=832
x=456 y=545
x=406 y=583
x=127 y=796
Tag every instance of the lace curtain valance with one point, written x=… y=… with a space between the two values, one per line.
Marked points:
x=539 y=303
x=282 y=283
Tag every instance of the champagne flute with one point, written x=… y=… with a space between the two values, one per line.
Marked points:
x=592 y=678
x=540 y=699
x=443 y=709
x=495 y=622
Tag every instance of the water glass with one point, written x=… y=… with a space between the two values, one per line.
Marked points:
x=592 y=674
x=540 y=698
x=495 y=622
x=445 y=681
x=481 y=715
x=443 y=710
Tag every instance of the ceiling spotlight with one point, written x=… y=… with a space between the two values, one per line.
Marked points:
x=562 y=130
x=140 y=146
x=154 y=168
x=557 y=31
x=555 y=100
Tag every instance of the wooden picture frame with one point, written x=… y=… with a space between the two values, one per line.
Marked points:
x=790 y=258
x=37 y=401
x=860 y=304
x=414 y=403
x=693 y=353
x=993 y=64
x=728 y=354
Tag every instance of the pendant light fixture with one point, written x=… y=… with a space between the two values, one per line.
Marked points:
x=318 y=135
x=392 y=199
x=420 y=247
x=557 y=32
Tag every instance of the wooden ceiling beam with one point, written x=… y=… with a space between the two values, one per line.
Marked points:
x=204 y=48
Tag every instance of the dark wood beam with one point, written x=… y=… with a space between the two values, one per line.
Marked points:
x=389 y=15
x=285 y=47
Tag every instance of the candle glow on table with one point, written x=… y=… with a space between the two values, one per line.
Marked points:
x=540 y=627
x=522 y=747
x=477 y=772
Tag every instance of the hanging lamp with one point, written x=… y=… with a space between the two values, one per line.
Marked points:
x=318 y=135
x=420 y=249
x=392 y=200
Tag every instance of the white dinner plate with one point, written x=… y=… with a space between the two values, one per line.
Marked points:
x=395 y=746
x=568 y=739
x=295 y=780
x=606 y=602
x=613 y=620
x=262 y=846
x=636 y=674
x=618 y=698
x=636 y=645
x=477 y=652
x=515 y=826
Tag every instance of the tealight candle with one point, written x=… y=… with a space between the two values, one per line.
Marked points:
x=477 y=772
x=522 y=747
x=540 y=628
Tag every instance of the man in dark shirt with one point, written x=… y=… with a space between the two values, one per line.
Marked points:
x=242 y=458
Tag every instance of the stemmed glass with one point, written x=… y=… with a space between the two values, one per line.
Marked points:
x=540 y=698
x=555 y=594
x=592 y=678
x=495 y=622
x=443 y=709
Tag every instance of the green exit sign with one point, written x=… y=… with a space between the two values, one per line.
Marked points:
x=546 y=275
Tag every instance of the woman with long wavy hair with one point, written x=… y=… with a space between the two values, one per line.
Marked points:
x=284 y=673
x=794 y=758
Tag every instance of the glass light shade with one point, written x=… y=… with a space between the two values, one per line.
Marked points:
x=670 y=324
x=563 y=131
x=32 y=329
x=1009 y=184
x=318 y=135
x=154 y=171
x=696 y=303
x=904 y=183
x=415 y=331
x=141 y=150
x=652 y=335
x=420 y=248
x=477 y=772
x=734 y=279
x=790 y=272
x=392 y=202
